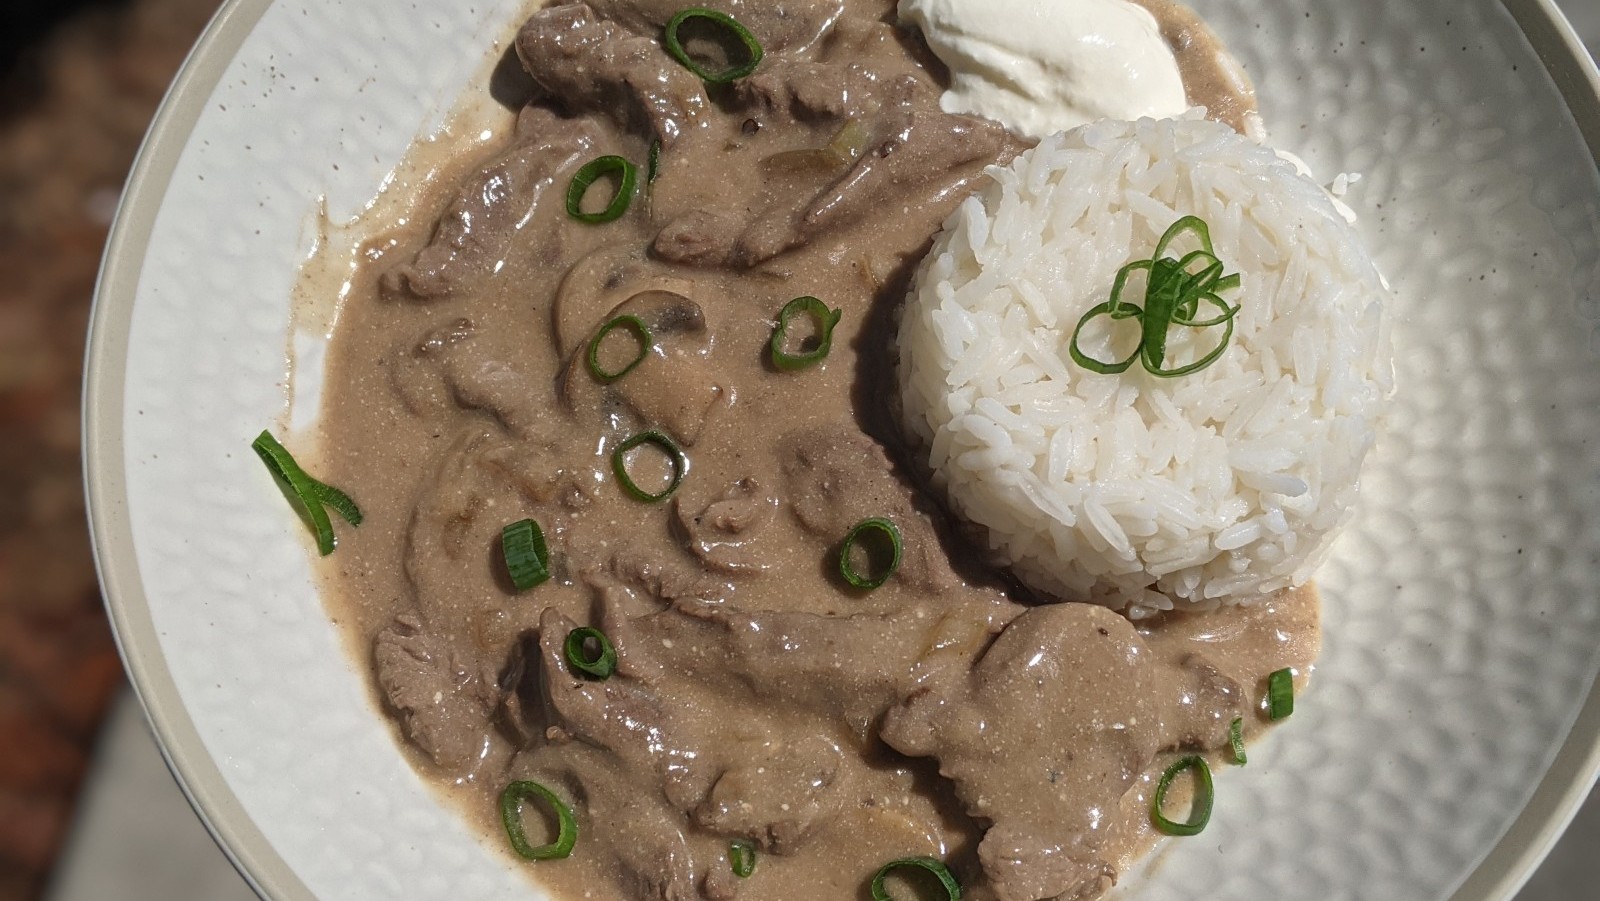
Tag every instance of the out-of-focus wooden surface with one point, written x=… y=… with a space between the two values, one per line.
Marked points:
x=74 y=111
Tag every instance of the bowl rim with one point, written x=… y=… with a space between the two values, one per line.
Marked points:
x=105 y=479
x=1505 y=868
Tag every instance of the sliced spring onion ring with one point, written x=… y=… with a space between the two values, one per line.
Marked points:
x=619 y=465
x=1280 y=694
x=1173 y=295
x=728 y=24
x=640 y=331
x=511 y=801
x=592 y=171
x=824 y=318
x=653 y=162
x=527 y=558
x=309 y=494
x=876 y=525
x=742 y=857
x=1236 y=739
x=1199 y=811
x=602 y=663
x=931 y=864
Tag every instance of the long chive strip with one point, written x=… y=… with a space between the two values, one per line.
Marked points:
x=727 y=23
x=874 y=526
x=824 y=318
x=527 y=558
x=640 y=331
x=601 y=664
x=619 y=465
x=1199 y=811
x=592 y=171
x=933 y=865
x=1173 y=295
x=742 y=857
x=1236 y=740
x=653 y=162
x=310 y=495
x=511 y=801
x=1280 y=694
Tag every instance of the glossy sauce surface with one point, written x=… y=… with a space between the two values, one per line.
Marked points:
x=758 y=697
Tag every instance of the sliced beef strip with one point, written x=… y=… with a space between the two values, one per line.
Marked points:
x=586 y=62
x=746 y=656
x=652 y=855
x=755 y=780
x=779 y=794
x=907 y=155
x=438 y=665
x=439 y=373
x=732 y=530
x=477 y=228
x=811 y=92
x=1037 y=748
x=443 y=702
x=923 y=157
x=835 y=478
x=621 y=715
x=698 y=237
x=781 y=26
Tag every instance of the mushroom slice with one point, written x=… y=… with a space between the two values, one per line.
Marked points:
x=676 y=386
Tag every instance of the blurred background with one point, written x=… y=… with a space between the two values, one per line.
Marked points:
x=88 y=811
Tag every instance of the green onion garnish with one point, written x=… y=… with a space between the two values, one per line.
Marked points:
x=1236 y=739
x=600 y=664
x=640 y=331
x=527 y=558
x=1280 y=694
x=310 y=495
x=619 y=465
x=1172 y=297
x=653 y=167
x=511 y=801
x=884 y=531
x=742 y=856
x=933 y=865
x=339 y=501
x=824 y=318
x=591 y=172
x=1199 y=811
x=730 y=27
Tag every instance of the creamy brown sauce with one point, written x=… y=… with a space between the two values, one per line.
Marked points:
x=1211 y=77
x=757 y=696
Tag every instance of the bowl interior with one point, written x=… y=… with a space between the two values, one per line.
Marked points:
x=1462 y=622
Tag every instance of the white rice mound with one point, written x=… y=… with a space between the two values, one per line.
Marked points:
x=1139 y=492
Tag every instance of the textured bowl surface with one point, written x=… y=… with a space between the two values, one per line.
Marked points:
x=1451 y=727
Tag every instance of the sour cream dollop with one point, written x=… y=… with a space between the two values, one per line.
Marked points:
x=1043 y=66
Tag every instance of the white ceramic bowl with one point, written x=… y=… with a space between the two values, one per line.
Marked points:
x=1452 y=727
